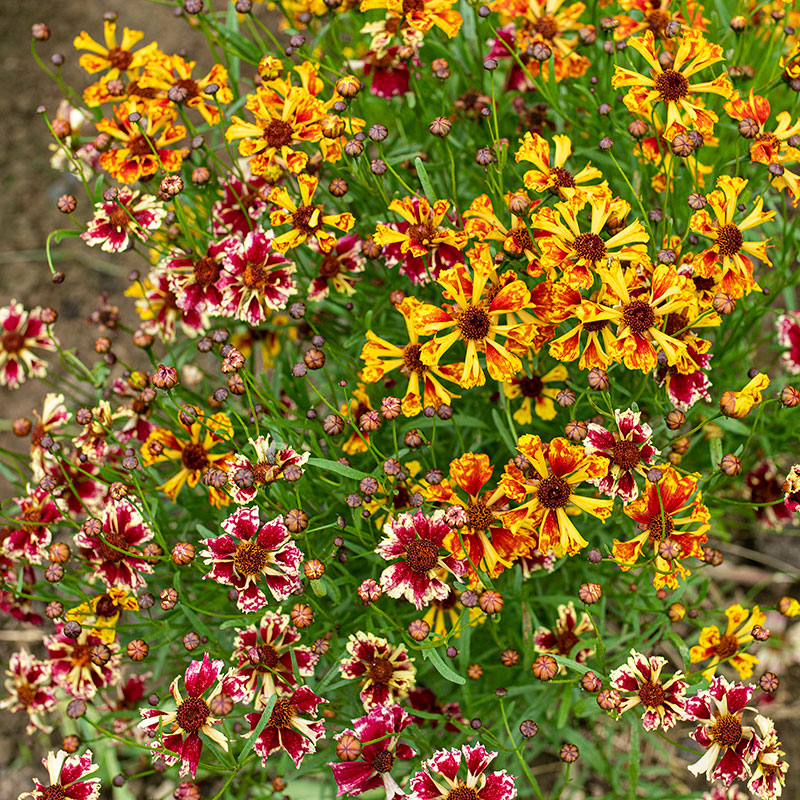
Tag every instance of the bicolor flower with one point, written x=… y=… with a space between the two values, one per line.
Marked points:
x=117 y=222
x=21 y=333
x=730 y=645
x=28 y=688
x=68 y=778
x=268 y=466
x=565 y=635
x=72 y=667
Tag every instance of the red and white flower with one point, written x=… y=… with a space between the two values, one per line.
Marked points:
x=663 y=700
x=195 y=278
x=22 y=332
x=178 y=732
x=267 y=654
x=268 y=466
x=31 y=539
x=628 y=450
x=29 y=689
x=440 y=778
x=725 y=793
x=418 y=539
x=291 y=727
x=114 y=547
x=563 y=638
x=246 y=556
x=337 y=268
x=379 y=733
x=721 y=730
x=788 y=326
x=68 y=778
x=769 y=768
x=385 y=671
x=256 y=279
x=240 y=208
x=72 y=667
x=53 y=417
x=117 y=222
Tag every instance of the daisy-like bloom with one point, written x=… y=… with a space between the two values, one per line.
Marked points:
x=535 y=393
x=177 y=733
x=249 y=554
x=68 y=778
x=769 y=768
x=117 y=222
x=241 y=205
x=684 y=389
x=268 y=466
x=731 y=644
x=474 y=318
x=655 y=16
x=482 y=535
x=379 y=733
x=116 y=59
x=307 y=219
x=194 y=455
x=421 y=243
x=424 y=382
x=53 y=417
x=101 y=614
x=663 y=700
x=719 y=711
x=419 y=15
x=739 y=404
x=93 y=440
x=256 y=279
x=266 y=656
x=385 y=672
x=788 y=326
x=145 y=146
x=72 y=667
x=113 y=547
x=337 y=268
x=28 y=688
x=576 y=254
x=30 y=540
x=726 y=255
x=22 y=332
x=684 y=101
x=564 y=637
x=673 y=524
x=628 y=450
x=418 y=539
x=195 y=277
x=440 y=777
x=549 y=172
x=292 y=727
x=546 y=490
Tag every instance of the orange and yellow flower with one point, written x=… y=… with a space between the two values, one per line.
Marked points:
x=739 y=404
x=535 y=393
x=419 y=15
x=729 y=645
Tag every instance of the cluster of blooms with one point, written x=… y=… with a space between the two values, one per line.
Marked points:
x=404 y=380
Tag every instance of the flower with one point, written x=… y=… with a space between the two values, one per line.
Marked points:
x=534 y=392
x=766 y=491
x=417 y=539
x=29 y=689
x=421 y=15
x=740 y=404
x=769 y=768
x=337 y=268
x=68 y=777
x=256 y=279
x=266 y=654
x=565 y=635
x=439 y=776
x=32 y=537
x=115 y=59
x=379 y=733
x=788 y=327
x=246 y=555
x=628 y=450
x=177 y=733
x=270 y=463
x=71 y=665
x=114 y=547
x=241 y=205
x=116 y=222
x=555 y=470
x=729 y=645
x=385 y=671
x=673 y=524
x=22 y=332
x=195 y=278
x=720 y=710
x=286 y=730
x=103 y=612
x=664 y=702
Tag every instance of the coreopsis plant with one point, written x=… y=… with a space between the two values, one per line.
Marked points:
x=464 y=353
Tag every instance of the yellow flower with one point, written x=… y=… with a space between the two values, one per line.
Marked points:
x=103 y=612
x=719 y=647
x=740 y=404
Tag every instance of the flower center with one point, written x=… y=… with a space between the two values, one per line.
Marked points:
x=282 y=713
x=726 y=731
x=657 y=20
x=565 y=642
x=660 y=527
x=206 y=271
x=250 y=558
x=522 y=238
x=307 y=219
x=413 y=6
x=254 y=276
x=626 y=455
x=194 y=457
x=192 y=714
x=13 y=342
x=278 y=133
x=729 y=240
x=191 y=87
x=479 y=517
x=32 y=514
x=422 y=232
x=639 y=316
x=422 y=555
x=462 y=792
x=546 y=27
x=113 y=540
x=268 y=657
x=553 y=492
x=531 y=387
x=383 y=761
x=703 y=284
x=411 y=359
x=562 y=178
x=81 y=654
x=474 y=323
x=651 y=694
x=330 y=266
x=672 y=86
x=595 y=326
x=55 y=792
x=589 y=246
x=26 y=694
x=119 y=58
x=105 y=606
x=380 y=670
x=140 y=145
x=119 y=217
x=728 y=645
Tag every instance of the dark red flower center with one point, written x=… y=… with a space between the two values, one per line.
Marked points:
x=672 y=86
x=254 y=276
x=413 y=6
x=278 y=133
x=660 y=527
x=105 y=606
x=657 y=21
x=194 y=457
x=13 y=342
x=206 y=271
x=119 y=58
x=54 y=792
x=474 y=323
x=589 y=246
x=726 y=731
x=651 y=694
x=565 y=642
x=383 y=761
x=522 y=238
x=703 y=284
x=727 y=646
x=191 y=87
x=115 y=547
x=422 y=232
x=639 y=316
x=531 y=386
x=626 y=455
x=308 y=218
x=81 y=655
x=282 y=713
x=268 y=657
x=330 y=266
x=32 y=514
x=553 y=492
x=250 y=558
x=411 y=359
x=140 y=145
x=562 y=178
x=380 y=670
x=546 y=27
x=422 y=555
x=119 y=217
x=192 y=714
x=479 y=518
x=729 y=240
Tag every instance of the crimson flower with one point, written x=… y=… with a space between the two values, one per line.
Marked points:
x=68 y=778
x=72 y=667
x=195 y=277
x=30 y=540
x=118 y=221
x=20 y=333
x=29 y=688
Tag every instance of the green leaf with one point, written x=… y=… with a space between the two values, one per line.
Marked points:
x=633 y=762
x=427 y=186
x=505 y=435
x=339 y=469
x=262 y=723
x=568 y=662
x=444 y=669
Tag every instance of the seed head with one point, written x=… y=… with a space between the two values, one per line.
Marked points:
x=591 y=683
x=609 y=699
x=348 y=748
x=440 y=127
x=528 y=728
x=137 y=650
